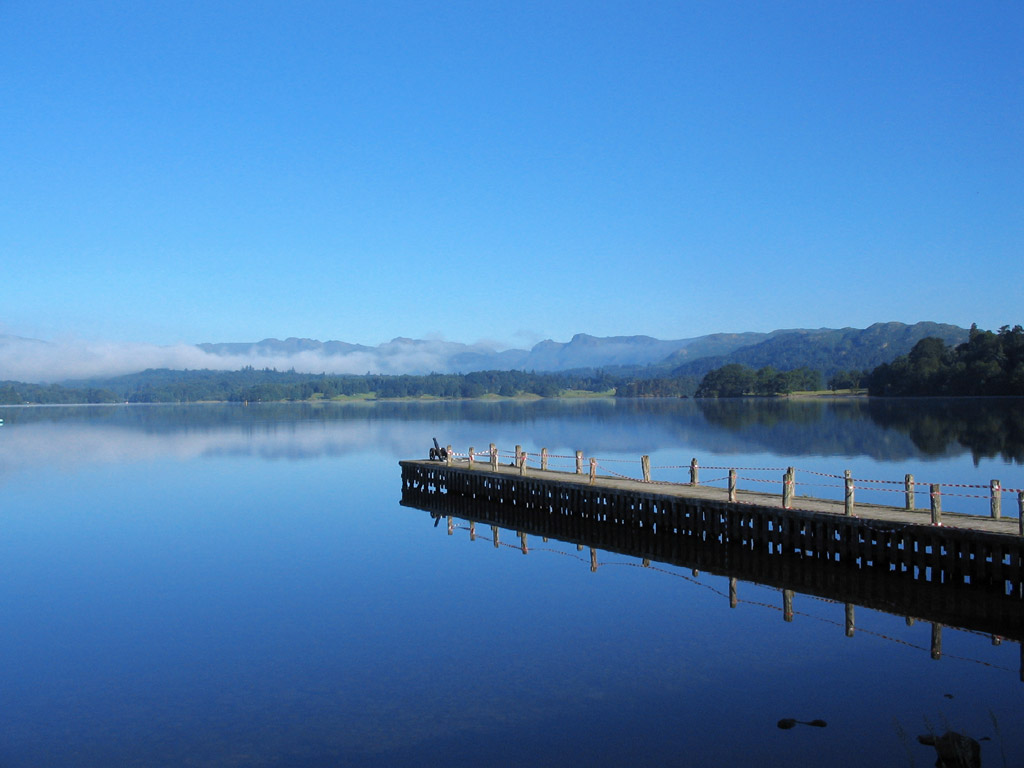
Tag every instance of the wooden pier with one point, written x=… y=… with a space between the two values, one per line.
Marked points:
x=968 y=565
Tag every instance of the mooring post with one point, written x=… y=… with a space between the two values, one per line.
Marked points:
x=787 y=605
x=694 y=479
x=494 y=533
x=593 y=560
x=848 y=484
x=593 y=469
x=732 y=485
x=787 y=491
x=936 y=497
x=448 y=458
x=544 y=459
x=936 y=641
x=733 y=597
x=908 y=483
x=849 y=620
x=579 y=462
x=645 y=467
x=470 y=457
x=997 y=499
x=494 y=457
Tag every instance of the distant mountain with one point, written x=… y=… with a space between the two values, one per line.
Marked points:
x=276 y=347
x=828 y=350
x=424 y=356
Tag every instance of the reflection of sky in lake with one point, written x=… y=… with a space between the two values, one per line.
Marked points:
x=248 y=591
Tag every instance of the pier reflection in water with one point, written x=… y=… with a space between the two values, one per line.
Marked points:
x=992 y=613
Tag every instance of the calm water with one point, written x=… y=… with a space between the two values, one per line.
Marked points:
x=228 y=585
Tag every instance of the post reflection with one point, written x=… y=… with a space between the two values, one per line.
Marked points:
x=942 y=605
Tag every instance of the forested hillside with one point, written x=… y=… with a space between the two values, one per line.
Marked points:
x=987 y=364
x=829 y=351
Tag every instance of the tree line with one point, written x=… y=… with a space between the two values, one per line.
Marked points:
x=737 y=380
x=268 y=385
x=986 y=364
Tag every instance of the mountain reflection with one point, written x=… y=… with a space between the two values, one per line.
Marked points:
x=885 y=430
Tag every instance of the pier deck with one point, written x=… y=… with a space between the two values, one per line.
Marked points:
x=965 y=554
x=1009 y=526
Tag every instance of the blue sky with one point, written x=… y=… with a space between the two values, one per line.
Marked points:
x=216 y=171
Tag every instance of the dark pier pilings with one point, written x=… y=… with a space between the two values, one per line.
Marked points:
x=951 y=575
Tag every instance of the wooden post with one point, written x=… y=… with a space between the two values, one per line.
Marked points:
x=787 y=605
x=1020 y=524
x=544 y=459
x=522 y=463
x=849 y=620
x=909 y=485
x=848 y=483
x=645 y=467
x=936 y=497
x=694 y=479
x=647 y=562
x=515 y=459
x=472 y=531
x=787 y=491
x=494 y=457
x=494 y=532
x=470 y=457
x=522 y=542
x=732 y=485
x=936 y=641
x=593 y=470
x=792 y=483
x=997 y=499
x=593 y=560
x=448 y=461
x=733 y=597
x=579 y=462
x=451 y=525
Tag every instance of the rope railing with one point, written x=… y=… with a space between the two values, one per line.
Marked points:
x=588 y=466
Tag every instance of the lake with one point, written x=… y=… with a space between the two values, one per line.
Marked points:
x=228 y=585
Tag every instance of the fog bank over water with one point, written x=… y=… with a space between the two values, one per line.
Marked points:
x=34 y=360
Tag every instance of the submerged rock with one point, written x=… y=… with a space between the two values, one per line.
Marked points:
x=954 y=750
